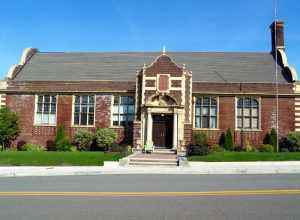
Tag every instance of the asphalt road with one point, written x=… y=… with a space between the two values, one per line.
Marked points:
x=230 y=197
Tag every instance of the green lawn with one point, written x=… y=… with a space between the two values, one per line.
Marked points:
x=19 y=158
x=246 y=156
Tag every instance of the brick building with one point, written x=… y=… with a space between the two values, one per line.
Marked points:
x=154 y=98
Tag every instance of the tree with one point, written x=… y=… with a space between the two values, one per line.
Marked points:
x=105 y=137
x=273 y=139
x=228 y=143
x=62 y=142
x=9 y=127
x=84 y=139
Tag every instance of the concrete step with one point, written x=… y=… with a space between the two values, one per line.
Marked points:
x=164 y=151
x=153 y=163
x=140 y=159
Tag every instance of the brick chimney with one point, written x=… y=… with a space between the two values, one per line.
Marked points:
x=279 y=44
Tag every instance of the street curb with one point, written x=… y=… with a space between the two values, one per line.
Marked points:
x=113 y=167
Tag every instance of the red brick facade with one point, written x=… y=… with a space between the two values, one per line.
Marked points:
x=172 y=85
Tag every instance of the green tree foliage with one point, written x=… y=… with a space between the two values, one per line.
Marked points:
x=9 y=127
x=273 y=138
x=228 y=142
x=200 y=138
x=84 y=139
x=105 y=137
x=62 y=142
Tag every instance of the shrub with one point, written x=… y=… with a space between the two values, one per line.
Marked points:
x=199 y=145
x=266 y=148
x=273 y=138
x=105 y=137
x=248 y=146
x=199 y=150
x=73 y=149
x=216 y=148
x=199 y=138
x=9 y=128
x=62 y=142
x=33 y=148
x=84 y=139
x=293 y=141
x=228 y=142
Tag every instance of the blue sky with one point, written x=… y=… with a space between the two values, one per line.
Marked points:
x=70 y=25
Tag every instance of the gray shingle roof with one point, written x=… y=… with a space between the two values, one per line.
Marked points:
x=206 y=66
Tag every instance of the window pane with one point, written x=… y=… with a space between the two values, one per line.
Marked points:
x=246 y=111
x=45 y=119
x=122 y=109
x=122 y=117
x=91 y=119
x=198 y=122
x=115 y=119
x=83 y=119
x=77 y=99
x=116 y=100
x=246 y=122
x=239 y=111
x=91 y=99
x=40 y=99
x=84 y=109
x=124 y=100
x=213 y=111
x=84 y=99
x=205 y=123
x=213 y=101
x=91 y=109
x=40 y=108
x=116 y=109
x=198 y=111
x=247 y=102
x=46 y=108
x=130 y=100
x=198 y=101
x=130 y=118
x=131 y=109
x=254 y=103
x=213 y=122
x=205 y=111
x=77 y=108
x=46 y=99
x=38 y=118
x=206 y=100
x=53 y=99
x=254 y=112
x=53 y=108
x=116 y=123
x=76 y=119
x=52 y=119
x=255 y=123
x=239 y=122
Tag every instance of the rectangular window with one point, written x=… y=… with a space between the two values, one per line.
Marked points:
x=247 y=113
x=206 y=112
x=45 y=113
x=123 y=111
x=84 y=110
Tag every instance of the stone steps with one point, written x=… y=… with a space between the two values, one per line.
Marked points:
x=154 y=159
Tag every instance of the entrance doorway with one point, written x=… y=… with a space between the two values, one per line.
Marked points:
x=162 y=131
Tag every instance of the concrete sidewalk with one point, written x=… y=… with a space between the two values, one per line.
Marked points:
x=291 y=167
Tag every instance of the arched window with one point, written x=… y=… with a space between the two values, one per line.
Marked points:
x=247 y=113
x=206 y=112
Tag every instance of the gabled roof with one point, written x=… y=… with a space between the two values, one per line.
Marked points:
x=123 y=66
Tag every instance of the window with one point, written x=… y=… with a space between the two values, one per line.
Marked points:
x=84 y=110
x=123 y=111
x=247 y=113
x=45 y=113
x=206 y=112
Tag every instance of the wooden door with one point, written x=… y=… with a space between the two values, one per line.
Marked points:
x=162 y=131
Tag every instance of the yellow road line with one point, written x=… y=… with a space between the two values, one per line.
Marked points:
x=158 y=194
